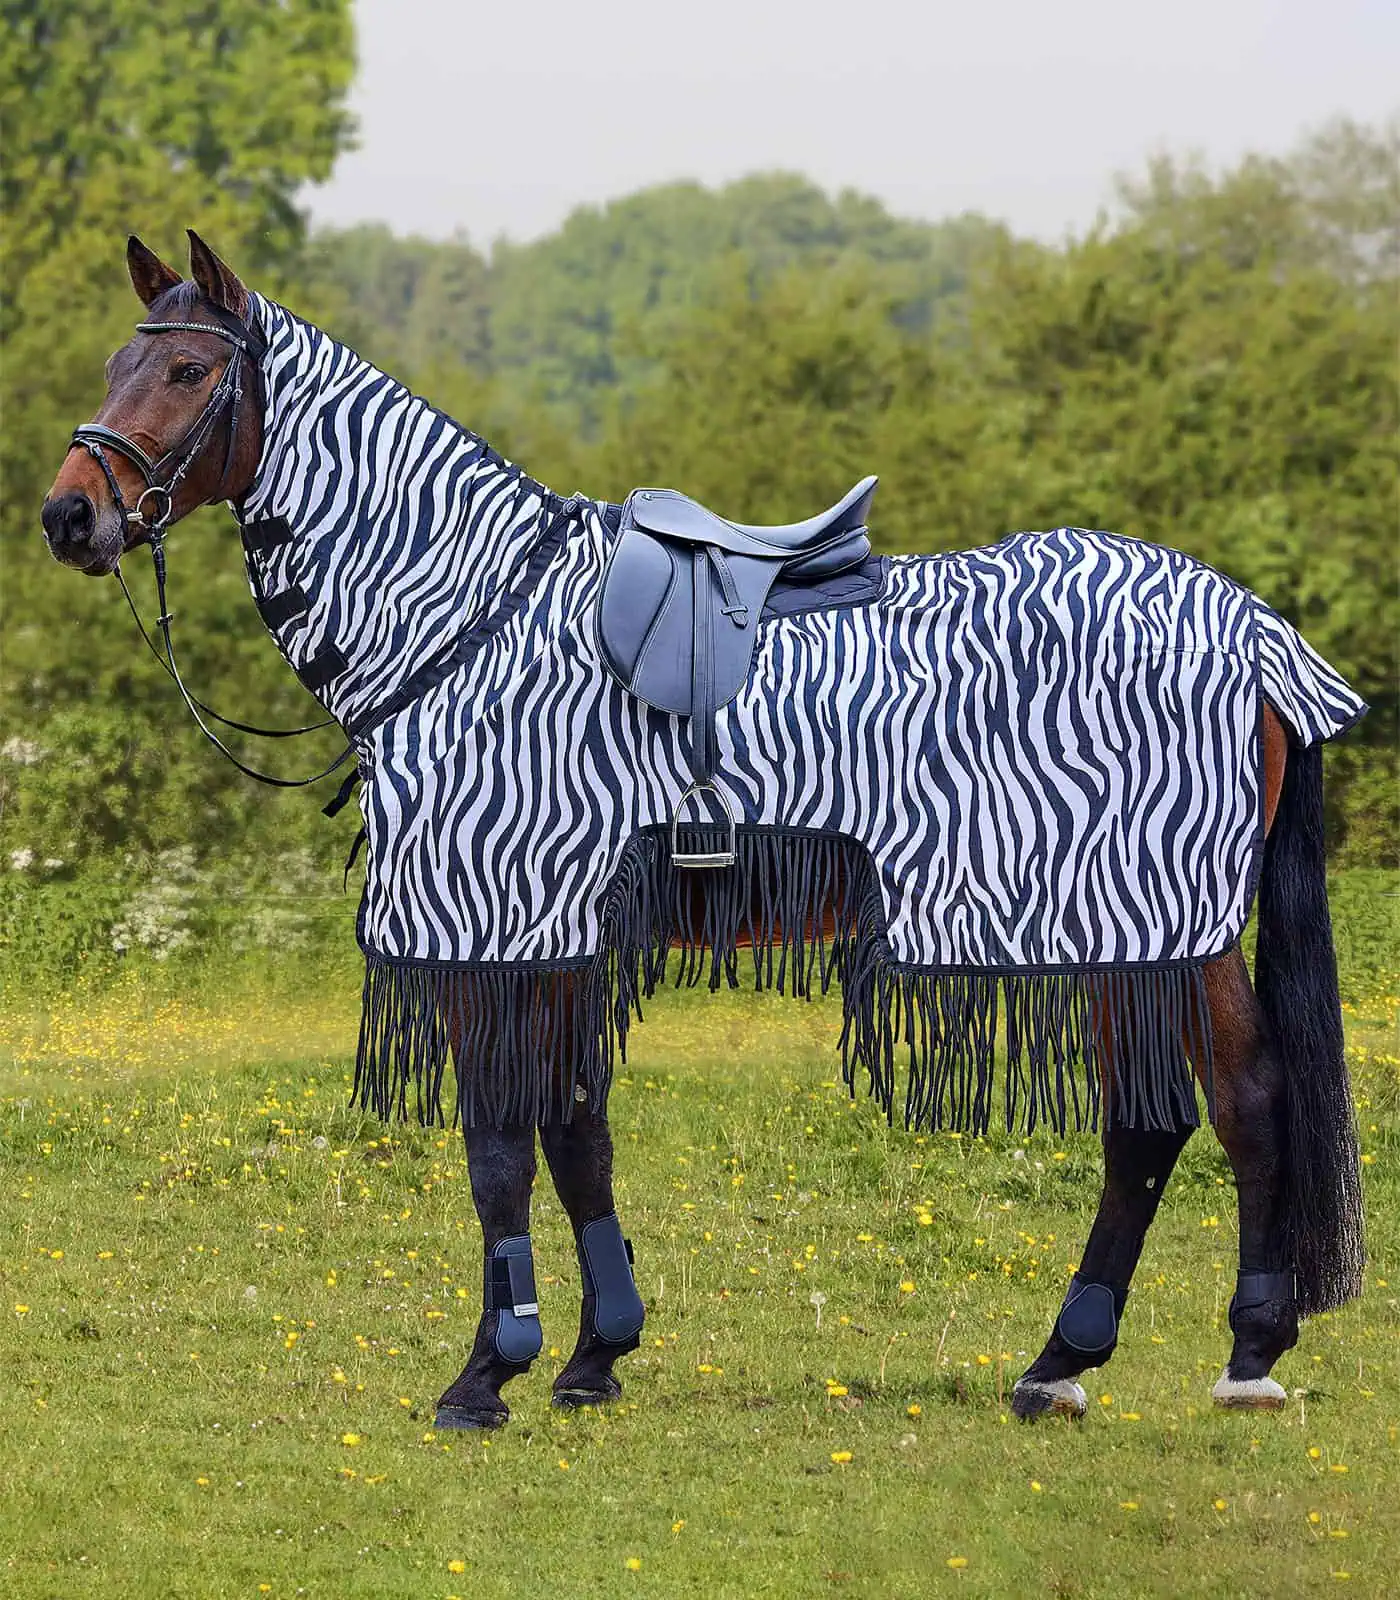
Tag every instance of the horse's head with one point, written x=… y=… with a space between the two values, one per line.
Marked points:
x=179 y=426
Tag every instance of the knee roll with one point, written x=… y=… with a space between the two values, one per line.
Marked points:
x=605 y=1260
x=510 y=1292
x=1088 y=1319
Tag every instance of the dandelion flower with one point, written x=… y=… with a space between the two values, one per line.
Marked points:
x=633 y=1563
x=957 y=1563
x=350 y=1439
x=915 y=1410
x=840 y=1457
x=456 y=1566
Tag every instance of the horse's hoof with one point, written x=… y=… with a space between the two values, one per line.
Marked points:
x=470 y=1417
x=1248 y=1394
x=573 y=1397
x=1057 y=1397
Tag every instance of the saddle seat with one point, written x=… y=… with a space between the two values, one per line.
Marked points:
x=681 y=600
x=671 y=515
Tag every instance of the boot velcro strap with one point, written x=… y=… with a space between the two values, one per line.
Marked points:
x=510 y=1285
x=1258 y=1288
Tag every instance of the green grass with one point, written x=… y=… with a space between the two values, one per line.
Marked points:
x=229 y=1305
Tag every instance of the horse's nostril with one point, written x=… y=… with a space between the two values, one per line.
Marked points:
x=69 y=519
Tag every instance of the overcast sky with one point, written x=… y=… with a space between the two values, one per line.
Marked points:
x=500 y=119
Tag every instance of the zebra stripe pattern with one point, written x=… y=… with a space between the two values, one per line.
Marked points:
x=1041 y=757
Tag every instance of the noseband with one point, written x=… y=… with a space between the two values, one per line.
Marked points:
x=163 y=477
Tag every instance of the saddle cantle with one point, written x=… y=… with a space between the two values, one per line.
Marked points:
x=681 y=601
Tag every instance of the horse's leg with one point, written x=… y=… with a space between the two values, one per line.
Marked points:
x=580 y=1157
x=1137 y=1165
x=501 y=1162
x=1251 y=1122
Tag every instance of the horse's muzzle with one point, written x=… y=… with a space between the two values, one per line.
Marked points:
x=76 y=534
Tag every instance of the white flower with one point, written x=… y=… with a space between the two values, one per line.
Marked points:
x=20 y=859
x=23 y=752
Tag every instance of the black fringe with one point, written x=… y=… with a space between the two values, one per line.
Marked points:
x=809 y=905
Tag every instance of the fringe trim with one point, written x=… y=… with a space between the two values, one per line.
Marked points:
x=532 y=1041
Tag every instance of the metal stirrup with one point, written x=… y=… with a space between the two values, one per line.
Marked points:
x=703 y=858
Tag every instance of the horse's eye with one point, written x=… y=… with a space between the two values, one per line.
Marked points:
x=189 y=372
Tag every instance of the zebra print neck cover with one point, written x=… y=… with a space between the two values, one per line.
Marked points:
x=1023 y=783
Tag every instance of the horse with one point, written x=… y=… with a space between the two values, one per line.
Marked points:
x=434 y=597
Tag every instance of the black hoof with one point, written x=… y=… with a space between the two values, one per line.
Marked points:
x=470 y=1417
x=572 y=1397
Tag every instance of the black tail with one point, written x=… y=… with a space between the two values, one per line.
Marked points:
x=1295 y=976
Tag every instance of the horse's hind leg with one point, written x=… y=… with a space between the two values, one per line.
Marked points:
x=1251 y=1122
x=580 y=1156
x=501 y=1162
x=1137 y=1165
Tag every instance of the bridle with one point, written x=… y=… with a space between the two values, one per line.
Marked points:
x=162 y=479
x=164 y=476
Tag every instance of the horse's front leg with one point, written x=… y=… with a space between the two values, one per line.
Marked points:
x=501 y=1162
x=1137 y=1165
x=580 y=1157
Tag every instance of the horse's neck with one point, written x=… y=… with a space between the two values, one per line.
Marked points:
x=384 y=489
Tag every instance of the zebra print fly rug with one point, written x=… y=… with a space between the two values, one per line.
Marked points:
x=1025 y=781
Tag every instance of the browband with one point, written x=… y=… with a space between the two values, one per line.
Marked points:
x=226 y=326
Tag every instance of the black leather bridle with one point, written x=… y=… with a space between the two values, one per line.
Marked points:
x=162 y=479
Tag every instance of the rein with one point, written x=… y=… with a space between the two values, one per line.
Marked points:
x=162 y=480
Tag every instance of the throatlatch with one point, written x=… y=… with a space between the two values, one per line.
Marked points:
x=510 y=1291
x=605 y=1259
x=1088 y=1319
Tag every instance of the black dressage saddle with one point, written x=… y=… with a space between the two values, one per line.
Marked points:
x=681 y=602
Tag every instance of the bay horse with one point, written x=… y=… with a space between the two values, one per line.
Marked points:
x=177 y=430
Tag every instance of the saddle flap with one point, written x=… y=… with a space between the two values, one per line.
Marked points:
x=649 y=611
x=639 y=590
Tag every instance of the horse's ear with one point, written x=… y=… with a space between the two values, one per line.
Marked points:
x=150 y=276
x=219 y=284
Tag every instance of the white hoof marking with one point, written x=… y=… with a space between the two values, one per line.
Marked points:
x=1252 y=1394
x=1066 y=1397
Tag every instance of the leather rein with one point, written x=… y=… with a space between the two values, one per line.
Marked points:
x=162 y=479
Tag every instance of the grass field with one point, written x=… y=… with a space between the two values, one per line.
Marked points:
x=229 y=1306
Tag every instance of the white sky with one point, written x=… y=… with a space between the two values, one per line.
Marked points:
x=500 y=119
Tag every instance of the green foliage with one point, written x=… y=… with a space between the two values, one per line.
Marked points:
x=584 y=312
